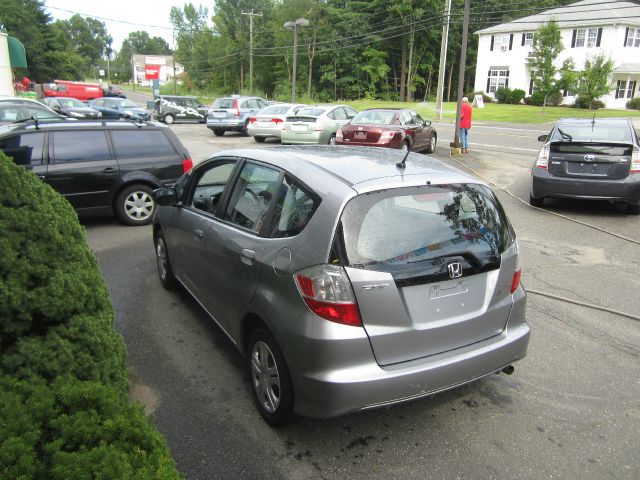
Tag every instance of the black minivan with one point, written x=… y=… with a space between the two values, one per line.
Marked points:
x=101 y=167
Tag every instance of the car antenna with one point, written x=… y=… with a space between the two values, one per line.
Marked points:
x=401 y=164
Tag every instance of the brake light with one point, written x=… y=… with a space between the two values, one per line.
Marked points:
x=236 y=107
x=339 y=135
x=319 y=125
x=635 y=160
x=276 y=120
x=515 y=283
x=543 y=157
x=187 y=164
x=387 y=135
x=327 y=292
x=252 y=120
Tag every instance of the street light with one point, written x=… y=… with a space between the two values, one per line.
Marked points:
x=301 y=22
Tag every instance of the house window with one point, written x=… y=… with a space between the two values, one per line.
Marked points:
x=633 y=37
x=586 y=37
x=528 y=39
x=625 y=89
x=498 y=77
x=501 y=42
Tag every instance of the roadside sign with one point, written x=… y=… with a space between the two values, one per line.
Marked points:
x=478 y=101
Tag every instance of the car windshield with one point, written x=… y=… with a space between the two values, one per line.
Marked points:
x=223 y=103
x=589 y=133
x=374 y=117
x=16 y=113
x=311 y=112
x=70 y=102
x=397 y=230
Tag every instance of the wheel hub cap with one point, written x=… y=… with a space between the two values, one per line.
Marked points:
x=266 y=380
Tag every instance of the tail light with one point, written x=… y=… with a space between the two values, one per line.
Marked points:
x=543 y=157
x=515 y=283
x=252 y=120
x=635 y=160
x=327 y=292
x=276 y=120
x=387 y=135
x=236 y=107
x=319 y=125
x=187 y=164
x=339 y=135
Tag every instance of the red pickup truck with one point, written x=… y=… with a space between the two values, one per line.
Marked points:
x=81 y=91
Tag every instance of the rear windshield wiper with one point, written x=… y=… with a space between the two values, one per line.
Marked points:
x=564 y=135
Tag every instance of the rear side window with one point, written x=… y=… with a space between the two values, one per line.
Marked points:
x=295 y=205
x=80 y=146
x=141 y=143
x=398 y=230
x=25 y=149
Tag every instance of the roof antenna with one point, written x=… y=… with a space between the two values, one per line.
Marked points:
x=401 y=164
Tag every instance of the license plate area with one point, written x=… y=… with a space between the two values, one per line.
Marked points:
x=299 y=128
x=587 y=168
x=219 y=114
x=360 y=135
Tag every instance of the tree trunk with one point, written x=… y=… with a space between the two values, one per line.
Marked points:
x=403 y=71
x=311 y=52
x=428 y=87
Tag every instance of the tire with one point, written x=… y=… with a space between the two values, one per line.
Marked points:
x=165 y=272
x=270 y=380
x=135 y=205
x=168 y=119
x=633 y=209
x=259 y=139
x=536 y=202
x=332 y=139
x=245 y=131
x=432 y=144
x=218 y=133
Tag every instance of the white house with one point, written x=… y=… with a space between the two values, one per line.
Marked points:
x=165 y=71
x=588 y=28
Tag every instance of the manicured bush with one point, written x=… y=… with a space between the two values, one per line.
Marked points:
x=582 y=102
x=64 y=406
x=503 y=94
x=634 y=104
x=517 y=95
x=537 y=99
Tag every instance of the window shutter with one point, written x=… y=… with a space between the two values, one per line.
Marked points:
x=618 y=89
x=599 y=37
x=626 y=35
x=530 y=86
x=491 y=43
x=573 y=38
x=511 y=42
x=488 y=84
x=506 y=83
x=633 y=91
x=523 y=35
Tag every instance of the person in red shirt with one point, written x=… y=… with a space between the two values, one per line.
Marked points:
x=465 y=124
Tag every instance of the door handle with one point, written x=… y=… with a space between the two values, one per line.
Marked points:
x=110 y=170
x=248 y=256
x=41 y=177
x=198 y=233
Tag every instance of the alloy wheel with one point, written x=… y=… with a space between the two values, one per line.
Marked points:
x=266 y=380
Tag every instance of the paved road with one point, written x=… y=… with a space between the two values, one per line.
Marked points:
x=571 y=410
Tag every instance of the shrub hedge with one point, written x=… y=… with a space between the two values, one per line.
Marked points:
x=64 y=403
x=633 y=104
x=506 y=95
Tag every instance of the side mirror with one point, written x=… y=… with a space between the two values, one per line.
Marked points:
x=427 y=123
x=543 y=138
x=167 y=196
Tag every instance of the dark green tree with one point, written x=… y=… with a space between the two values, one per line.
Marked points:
x=595 y=79
x=547 y=45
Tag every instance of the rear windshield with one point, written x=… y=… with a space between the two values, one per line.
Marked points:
x=373 y=118
x=400 y=230
x=223 y=103
x=276 y=110
x=311 y=112
x=597 y=133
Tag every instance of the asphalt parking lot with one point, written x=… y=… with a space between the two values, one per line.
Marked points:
x=570 y=410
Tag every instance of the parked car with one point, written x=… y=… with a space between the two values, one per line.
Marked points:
x=66 y=88
x=317 y=124
x=391 y=128
x=100 y=167
x=170 y=108
x=233 y=113
x=71 y=107
x=119 y=108
x=269 y=121
x=113 y=91
x=20 y=112
x=348 y=282
x=589 y=159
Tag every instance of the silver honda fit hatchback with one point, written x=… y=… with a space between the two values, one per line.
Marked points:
x=348 y=281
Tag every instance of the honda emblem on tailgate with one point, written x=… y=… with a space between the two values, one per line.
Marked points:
x=455 y=269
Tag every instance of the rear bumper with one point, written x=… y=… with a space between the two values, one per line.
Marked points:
x=546 y=185
x=264 y=131
x=314 y=137
x=356 y=382
x=225 y=124
x=395 y=145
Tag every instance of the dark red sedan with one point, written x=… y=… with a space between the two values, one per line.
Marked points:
x=391 y=128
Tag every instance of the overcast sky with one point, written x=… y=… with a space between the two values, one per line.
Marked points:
x=123 y=16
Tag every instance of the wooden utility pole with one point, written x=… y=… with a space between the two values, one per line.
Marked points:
x=443 y=59
x=251 y=15
x=463 y=59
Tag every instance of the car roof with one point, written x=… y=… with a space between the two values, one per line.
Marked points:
x=44 y=125
x=361 y=168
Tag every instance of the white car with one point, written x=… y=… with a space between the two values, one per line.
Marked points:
x=269 y=121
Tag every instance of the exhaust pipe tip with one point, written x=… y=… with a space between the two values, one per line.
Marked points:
x=508 y=370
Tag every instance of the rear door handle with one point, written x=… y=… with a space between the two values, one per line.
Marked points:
x=248 y=256
x=198 y=233
x=110 y=170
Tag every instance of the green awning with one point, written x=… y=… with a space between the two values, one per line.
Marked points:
x=17 y=53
